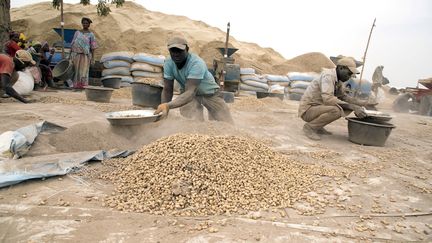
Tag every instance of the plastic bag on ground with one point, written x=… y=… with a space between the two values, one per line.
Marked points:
x=16 y=143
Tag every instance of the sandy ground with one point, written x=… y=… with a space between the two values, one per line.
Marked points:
x=385 y=195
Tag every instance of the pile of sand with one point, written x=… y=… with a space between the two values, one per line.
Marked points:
x=104 y=107
x=102 y=136
x=309 y=62
x=91 y=136
x=252 y=104
x=134 y=28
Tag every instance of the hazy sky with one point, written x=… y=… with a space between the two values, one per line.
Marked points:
x=401 y=40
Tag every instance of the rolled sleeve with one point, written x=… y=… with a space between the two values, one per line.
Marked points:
x=168 y=71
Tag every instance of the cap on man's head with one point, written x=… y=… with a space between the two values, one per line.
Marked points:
x=349 y=63
x=177 y=42
x=24 y=56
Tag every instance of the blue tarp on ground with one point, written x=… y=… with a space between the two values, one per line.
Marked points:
x=14 y=171
x=14 y=144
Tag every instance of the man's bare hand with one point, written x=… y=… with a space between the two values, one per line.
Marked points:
x=162 y=108
x=359 y=112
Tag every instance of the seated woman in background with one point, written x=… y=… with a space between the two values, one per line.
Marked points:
x=37 y=51
x=11 y=46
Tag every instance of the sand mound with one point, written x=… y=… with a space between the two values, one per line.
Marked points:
x=205 y=175
x=104 y=107
x=252 y=104
x=90 y=136
x=309 y=62
x=134 y=28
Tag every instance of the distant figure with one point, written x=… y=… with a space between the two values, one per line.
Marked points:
x=82 y=53
x=325 y=100
x=403 y=102
x=393 y=91
x=8 y=72
x=11 y=46
x=22 y=41
x=377 y=76
x=38 y=54
x=197 y=86
x=47 y=54
x=36 y=51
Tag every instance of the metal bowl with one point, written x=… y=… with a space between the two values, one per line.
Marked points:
x=131 y=117
x=377 y=116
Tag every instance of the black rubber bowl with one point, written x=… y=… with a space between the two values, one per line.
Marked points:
x=112 y=83
x=261 y=95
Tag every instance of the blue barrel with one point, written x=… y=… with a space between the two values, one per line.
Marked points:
x=364 y=88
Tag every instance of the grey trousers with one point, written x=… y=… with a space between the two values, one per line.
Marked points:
x=318 y=116
x=216 y=107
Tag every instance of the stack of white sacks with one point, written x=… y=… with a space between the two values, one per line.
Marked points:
x=299 y=82
x=250 y=81
x=277 y=83
x=132 y=67
x=117 y=65
x=294 y=84
x=147 y=66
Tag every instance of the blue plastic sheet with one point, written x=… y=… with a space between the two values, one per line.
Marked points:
x=15 y=144
x=14 y=171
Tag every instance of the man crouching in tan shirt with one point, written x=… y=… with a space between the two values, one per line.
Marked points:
x=324 y=100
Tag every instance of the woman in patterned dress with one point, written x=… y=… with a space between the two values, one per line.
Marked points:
x=82 y=53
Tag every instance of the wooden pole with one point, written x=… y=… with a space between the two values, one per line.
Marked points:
x=225 y=56
x=364 y=56
x=62 y=27
x=226 y=40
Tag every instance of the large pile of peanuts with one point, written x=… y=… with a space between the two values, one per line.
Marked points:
x=192 y=174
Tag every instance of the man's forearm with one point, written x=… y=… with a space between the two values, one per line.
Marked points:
x=166 y=96
x=354 y=101
x=182 y=99
x=348 y=106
